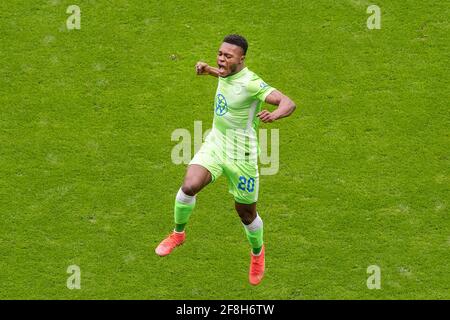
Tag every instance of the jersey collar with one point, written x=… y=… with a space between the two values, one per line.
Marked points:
x=236 y=75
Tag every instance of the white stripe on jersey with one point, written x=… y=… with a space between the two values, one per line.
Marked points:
x=251 y=114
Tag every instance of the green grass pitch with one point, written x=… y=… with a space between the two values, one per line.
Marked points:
x=86 y=176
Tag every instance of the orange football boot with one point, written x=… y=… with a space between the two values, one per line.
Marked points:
x=166 y=246
x=257 y=266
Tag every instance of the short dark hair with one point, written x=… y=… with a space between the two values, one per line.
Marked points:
x=237 y=40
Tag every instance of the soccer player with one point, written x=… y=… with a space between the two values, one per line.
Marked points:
x=231 y=147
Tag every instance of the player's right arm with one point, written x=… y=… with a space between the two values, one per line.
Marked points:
x=285 y=107
x=202 y=68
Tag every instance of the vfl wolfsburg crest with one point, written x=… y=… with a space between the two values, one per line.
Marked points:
x=221 y=105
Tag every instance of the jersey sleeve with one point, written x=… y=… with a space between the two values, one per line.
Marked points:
x=258 y=89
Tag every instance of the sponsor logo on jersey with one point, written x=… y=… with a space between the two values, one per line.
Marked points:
x=221 y=105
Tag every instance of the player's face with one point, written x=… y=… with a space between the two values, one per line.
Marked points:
x=229 y=58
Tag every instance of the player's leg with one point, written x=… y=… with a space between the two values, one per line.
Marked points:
x=253 y=225
x=197 y=177
x=203 y=169
x=243 y=184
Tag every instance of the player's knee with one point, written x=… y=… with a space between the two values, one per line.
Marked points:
x=247 y=216
x=189 y=187
x=247 y=219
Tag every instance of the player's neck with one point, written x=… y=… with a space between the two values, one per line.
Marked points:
x=238 y=69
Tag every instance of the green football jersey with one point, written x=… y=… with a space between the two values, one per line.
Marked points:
x=238 y=100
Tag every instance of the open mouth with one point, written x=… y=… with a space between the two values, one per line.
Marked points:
x=222 y=68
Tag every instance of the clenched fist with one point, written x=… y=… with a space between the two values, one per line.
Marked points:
x=201 y=68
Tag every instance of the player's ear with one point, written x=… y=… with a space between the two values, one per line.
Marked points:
x=242 y=58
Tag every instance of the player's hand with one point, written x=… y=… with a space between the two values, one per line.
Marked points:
x=201 y=68
x=266 y=116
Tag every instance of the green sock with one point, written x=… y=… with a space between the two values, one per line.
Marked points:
x=256 y=251
x=256 y=239
x=182 y=212
x=179 y=227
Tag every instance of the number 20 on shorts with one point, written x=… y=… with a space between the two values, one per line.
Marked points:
x=246 y=184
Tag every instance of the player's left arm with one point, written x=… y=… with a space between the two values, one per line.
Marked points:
x=285 y=107
x=202 y=68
